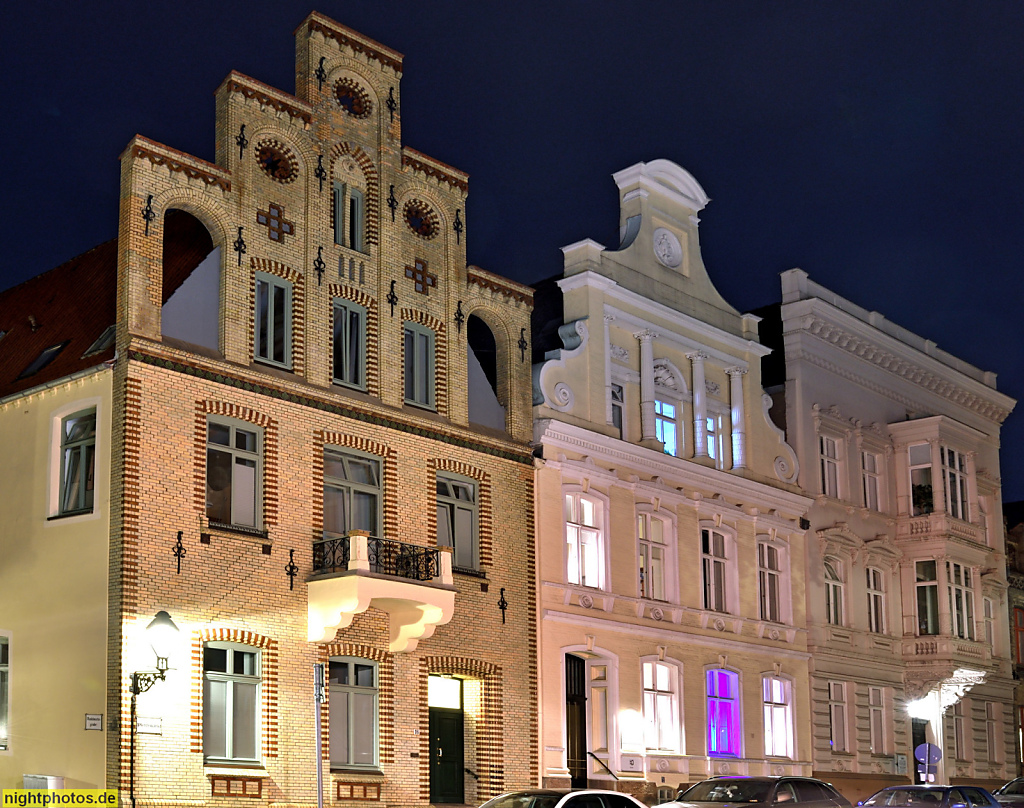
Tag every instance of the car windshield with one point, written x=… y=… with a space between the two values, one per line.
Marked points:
x=522 y=799
x=728 y=791
x=1015 y=787
x=915 y=797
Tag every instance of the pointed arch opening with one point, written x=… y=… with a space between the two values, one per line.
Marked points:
x=485 y=408
x=191 y=281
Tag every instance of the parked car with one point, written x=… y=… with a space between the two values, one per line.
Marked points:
x=754 y=791
x=563 y=798
x=1010 y=794
x=931 y=797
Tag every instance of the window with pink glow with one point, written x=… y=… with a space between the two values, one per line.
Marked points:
x=724 y=730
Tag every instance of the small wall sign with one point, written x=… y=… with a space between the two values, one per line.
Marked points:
x=149 y=726
x=94 y=721
x=632 y=764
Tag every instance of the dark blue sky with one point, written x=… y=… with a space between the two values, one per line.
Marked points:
x=877 y=145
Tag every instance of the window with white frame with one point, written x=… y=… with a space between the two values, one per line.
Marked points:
x=77 y=462
x=584 y=522
x=770 y=581
x=922 y=500
x=876 y=599
x=231 y=702
x=5 y=690
x=988 y=605
x=714 y=569
x=778 y=716
x=876 y=720
x=618 y=402
x=457 y=519
x=650 y=532
x=349 y=344
x=961 y=600
x=927 y=585
x=234 y=469
x=870 y=480
x=419 y=365
x=716 y=440
x=352 y=492
x=959 y=734
x=665 y=427
x=828 y=457
x=837 y=715
x=834 y=586
x=954 y=480
x=725 y=729
x=993 y=712
x=273 y=320
x=661 y=707
x=598 y=707
x=349 y=216
x=353 y=692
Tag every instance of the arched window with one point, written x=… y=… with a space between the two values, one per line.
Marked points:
x=584 y=538
x=777 y=696
x=661 y=705
x=772 y=575
x=833 y=592
x=191 y=281
x=484 y=407
x=653 y=534
x=725 y=730
x=718 y=569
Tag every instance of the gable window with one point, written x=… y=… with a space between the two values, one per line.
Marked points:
x=769 y=581
x=77 y=462
x=419 y=365
x=829 y=466
x=665 y=426
x=352 y=493
x=231 y=702
x=457 y=519
x=778 y=717
x=869 y=470
x=349 y=217
x=5 y=688
x=954 y=478
x=618 y=401
x=921 y=479
x=584 y=540
x=353 y=691
x=876 y=600
x=876 y=720
x=837 y=716
x=927 y=585
x=273 y=341
x=234 y=469
x=833 y=592
x=723 y=713
x=661 y=707
x=650 y=531
x=713 y=569
x=961 y=600
x=349 y=344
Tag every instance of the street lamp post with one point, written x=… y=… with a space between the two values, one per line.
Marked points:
x=161 y=632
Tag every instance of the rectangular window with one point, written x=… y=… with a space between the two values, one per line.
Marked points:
x=715 y=438
x=961 y=600
x=353 y=692
x=837 y=716
x=778 y=717
x=876 y=720
x=834 y=586
x=876 y=600
x=1018 y=635
x=352 y=493
x=231 y=702
x=349 y=217
x=650 y=531
x=665 y=426
x=77 y=462
x=457 y=519
x=234 y=468
x=992 y=710
x=954 y=478
x=927 y=597
x=769 y=580
x=661 y=707
x=921 y=479
x=584 y=540
x=599 y=707
x=713 y=569
x=419 y=365
x=990 y=620
x=618 y=401
x=959 y=737
x=273 y=343
x=349 y=344
x=725 y=731
x=869 y=464
x=5 y=690
x=829 y=466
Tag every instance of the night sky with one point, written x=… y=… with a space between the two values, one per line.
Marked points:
x=876 y=145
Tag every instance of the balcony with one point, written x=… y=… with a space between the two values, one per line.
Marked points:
x=937 y=526
x=413 y=584
x=946 y=650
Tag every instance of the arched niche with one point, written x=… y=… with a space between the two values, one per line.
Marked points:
x=191 y=281
x=485 y=407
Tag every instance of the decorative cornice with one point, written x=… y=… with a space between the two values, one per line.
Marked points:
x=442 y=172
x=194 y=168
x=348 y=38
x=269 y=96
x=914 y=373
x=495 y=283
x=524 y=457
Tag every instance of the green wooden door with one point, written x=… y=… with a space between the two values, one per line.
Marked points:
x=446 y=756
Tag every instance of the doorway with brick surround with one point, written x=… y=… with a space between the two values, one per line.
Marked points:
x=447 y=727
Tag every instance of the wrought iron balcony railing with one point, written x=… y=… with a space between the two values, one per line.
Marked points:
x=382 y=556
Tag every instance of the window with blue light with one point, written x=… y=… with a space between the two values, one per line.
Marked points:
x=723 y=713
x=665 y=426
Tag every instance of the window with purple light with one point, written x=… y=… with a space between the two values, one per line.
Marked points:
x=723 y=713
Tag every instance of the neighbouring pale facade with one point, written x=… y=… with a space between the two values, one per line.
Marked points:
x=319 y=419
x=672 y=627
x=898 y=442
